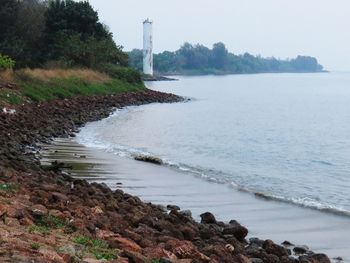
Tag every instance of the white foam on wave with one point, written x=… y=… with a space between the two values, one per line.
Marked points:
x=306 y=202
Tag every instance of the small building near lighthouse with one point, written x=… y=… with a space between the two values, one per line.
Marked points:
x=147 y=47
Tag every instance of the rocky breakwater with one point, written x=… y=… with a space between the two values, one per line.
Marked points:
x=48 y=216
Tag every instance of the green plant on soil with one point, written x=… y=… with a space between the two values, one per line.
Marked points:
x=10 y=97
x=99 y=248
x=34 y=246
x=12 y=188
x=45 y=224
x=50 y=221
x=39 y=229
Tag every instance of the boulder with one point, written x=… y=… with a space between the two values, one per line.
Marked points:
x=272 y=248
x=149 y=159
x=208 y=218
x=315 y=258
x=124 y=244
x=236 y=229
x=38 y=210
x=173 y=207
x=300 y=249
x=134 y=257
x=3 y=209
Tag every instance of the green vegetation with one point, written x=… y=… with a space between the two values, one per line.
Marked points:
x=99 y=248
x=128 y=75
x=44 y=224
x=50 y=221
x=6 y=62
x=42 y=85
x=11 y=188
x=39 y=91
x=10 y=97
x=200 y=60
x=39 y=229
x=34 y=246
x=65 y=88
x=74 y=51
x=58 y=33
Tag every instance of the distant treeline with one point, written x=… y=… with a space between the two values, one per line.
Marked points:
x=198 y=59
x=61 y=33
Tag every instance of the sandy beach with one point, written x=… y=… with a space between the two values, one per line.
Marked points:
x=322 y=232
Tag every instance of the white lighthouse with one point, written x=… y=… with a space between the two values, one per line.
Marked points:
x=147 y=47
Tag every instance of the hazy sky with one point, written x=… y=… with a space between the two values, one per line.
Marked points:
x=280 y=28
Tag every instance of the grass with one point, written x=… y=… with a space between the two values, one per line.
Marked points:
x=10 y=96
x=7 y=75
x=45 y=224
x=50 y=221
x=12 y=188
x=39 y=91
x=99 y=248
x=39 y=229
x=34 y=246
x=46 y=75
x=39 y=85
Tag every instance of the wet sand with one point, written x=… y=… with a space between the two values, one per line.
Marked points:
x=322 y=232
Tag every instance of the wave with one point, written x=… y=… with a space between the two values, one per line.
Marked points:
x=323 y=162
x=306 y=202
x=210 y=175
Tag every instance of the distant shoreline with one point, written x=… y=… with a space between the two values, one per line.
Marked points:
x=227 y=74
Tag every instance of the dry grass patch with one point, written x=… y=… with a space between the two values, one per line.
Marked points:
x=7 y=75
x=87 y=75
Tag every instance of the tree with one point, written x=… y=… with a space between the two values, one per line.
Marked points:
x=8 y=17
x=90 y=52
x=73 y=17
x=74 y=34
x=186 y=56
x=305 y=63
x=23 y=28
x=198 y=59
x=219 y=55
x=136 y=58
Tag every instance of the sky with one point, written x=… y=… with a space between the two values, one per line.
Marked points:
x=279 y=28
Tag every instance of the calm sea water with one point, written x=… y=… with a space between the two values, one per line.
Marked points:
x=286 y=136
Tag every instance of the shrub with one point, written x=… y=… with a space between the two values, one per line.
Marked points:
x=127 y=74
x=6 y=62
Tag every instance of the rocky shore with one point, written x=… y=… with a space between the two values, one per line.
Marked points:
x=48 y=216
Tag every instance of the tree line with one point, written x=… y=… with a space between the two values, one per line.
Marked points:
x=60 y=33
x=198 y=59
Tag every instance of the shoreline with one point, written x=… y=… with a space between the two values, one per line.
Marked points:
x=163 y=185
x=140 y=232
x=184 y=74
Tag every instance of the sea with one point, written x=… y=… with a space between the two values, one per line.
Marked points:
x=269 y=150
x=285 y=137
